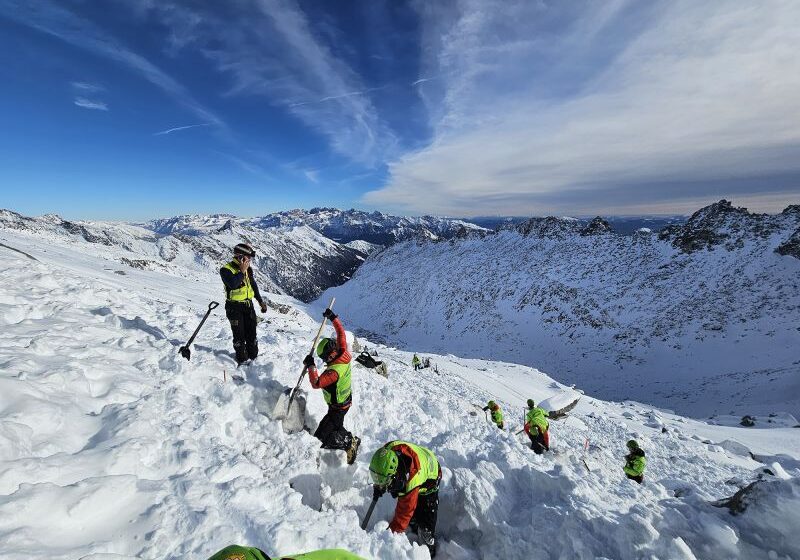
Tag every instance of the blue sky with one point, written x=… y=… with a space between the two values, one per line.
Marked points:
x=133 y=109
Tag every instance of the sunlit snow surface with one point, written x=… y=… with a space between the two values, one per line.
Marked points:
x=113 y=446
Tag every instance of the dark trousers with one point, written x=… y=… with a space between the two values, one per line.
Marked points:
x=638 y=479
x=242 y=317
x=331 y=431
x=426 y=513
x=540 y=442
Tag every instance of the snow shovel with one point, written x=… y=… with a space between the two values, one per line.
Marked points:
x=184 y=350
x=283 y=408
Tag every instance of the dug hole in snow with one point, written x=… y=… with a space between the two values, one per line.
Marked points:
x=113 y=446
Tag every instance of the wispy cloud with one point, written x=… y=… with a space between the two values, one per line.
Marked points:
x=312 y=175
x=340 y=96
x=52 y=19
x=87 y=87
x=270 y=49
x=89 y=104
x=179 y=128
x=548 y=107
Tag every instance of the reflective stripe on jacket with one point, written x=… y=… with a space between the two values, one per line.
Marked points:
x=340 y=391
x=242 y=293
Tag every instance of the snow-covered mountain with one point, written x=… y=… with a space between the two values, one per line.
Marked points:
x=626 y=225
x=340 y=225
x=703 y=317
x=112 y=446
x=293 y=260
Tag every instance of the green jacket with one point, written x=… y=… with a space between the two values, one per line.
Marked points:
x=236 y=552
x=635 y=463
x=537 y=418
x=497 y=414
x=415 y=360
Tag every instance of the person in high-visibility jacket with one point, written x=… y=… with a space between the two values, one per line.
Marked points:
x=415 y=361
x=237 y=552
x=411 y=473
x=240 y=289
x=538 y=428
x=335 y=383
x=634 y=462
x=497 y=413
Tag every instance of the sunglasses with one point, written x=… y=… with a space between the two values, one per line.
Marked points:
x=382 y=480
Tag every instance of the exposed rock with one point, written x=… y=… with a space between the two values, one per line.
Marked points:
x=748 y=421
x=597 y=226
x=739 y=502
x=549 y=227
x=790 y=247
x=721 y=224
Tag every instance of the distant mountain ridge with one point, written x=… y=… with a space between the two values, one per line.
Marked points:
x=698 y=317
x=342 y=226
x=297 y=260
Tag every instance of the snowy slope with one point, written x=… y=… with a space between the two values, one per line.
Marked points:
x=114 y=447
x=294 y=260
x=703 y=318
x=341 y=225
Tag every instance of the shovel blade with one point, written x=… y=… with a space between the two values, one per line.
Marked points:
x=293 y=417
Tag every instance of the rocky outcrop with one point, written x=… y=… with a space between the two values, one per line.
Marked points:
x=721 y=225
x=549 y=227
x=598 y=226
x=790 y=247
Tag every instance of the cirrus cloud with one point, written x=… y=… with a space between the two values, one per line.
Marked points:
x=621 y=105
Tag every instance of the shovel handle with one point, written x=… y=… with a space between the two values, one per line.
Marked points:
x=213 y=305
x=313 y=347
x=369 y=513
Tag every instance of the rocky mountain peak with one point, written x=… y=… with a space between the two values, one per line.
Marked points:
x=720 y=224
x=549 y=227
x=597 y=226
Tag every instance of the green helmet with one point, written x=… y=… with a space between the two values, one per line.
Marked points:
x=632 y=444
x=531 y=404
x=492 y=404
x=236 y=552
x=325 y=347
x=383 y=466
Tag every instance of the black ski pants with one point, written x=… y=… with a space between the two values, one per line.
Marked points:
x=426 y=513
x=331 y=431
x=539 y=443
x=242 y=317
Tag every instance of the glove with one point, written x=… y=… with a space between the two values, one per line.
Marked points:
x=329 y=314
x=309 y=362
x=377 y=492
x=263 y=307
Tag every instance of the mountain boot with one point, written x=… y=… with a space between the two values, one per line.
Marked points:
x=426 y=537
x=352 y=452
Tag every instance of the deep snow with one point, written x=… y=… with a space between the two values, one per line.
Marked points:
x=113 y=446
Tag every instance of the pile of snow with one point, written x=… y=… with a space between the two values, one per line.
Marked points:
x=113 y=446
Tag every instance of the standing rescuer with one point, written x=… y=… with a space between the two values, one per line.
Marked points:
x=497 y=413
x=410 y=473
x=634 y=462
x=538 y=428
x=336 y=389
x=240 y=289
